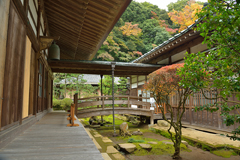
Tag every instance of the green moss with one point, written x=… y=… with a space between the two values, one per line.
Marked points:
x=224 y=153
x=132 y=140
x=158 y=149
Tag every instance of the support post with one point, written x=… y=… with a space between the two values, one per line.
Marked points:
x=76 y=103
x=72 y=117
x=102 y=98
x=113 y=66
x=151 y=119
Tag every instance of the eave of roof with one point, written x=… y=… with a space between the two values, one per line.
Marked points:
x=165 y=43
x=102 y=67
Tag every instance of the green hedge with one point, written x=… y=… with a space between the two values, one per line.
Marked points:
x=64 y=104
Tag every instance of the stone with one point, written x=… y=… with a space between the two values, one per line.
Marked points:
x=97 y=135
x=185 y=143
x=111 y=149
x=171 y=143
x=145 y=146
x=138 y=132
x=129 y=147
x=106 y=156
x=152 y=142
x=118 y=156
x=163 y=123
x=123 y=129
x=106 y=140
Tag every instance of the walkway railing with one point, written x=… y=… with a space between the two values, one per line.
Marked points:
x=106 y=102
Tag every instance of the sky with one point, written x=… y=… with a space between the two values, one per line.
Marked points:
x=162 y=3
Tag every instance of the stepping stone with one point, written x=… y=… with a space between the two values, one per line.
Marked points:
x=152 y=142
x=106 y=156
x=171 y=143
x=111 y=149
x=118 y=156
x=97 y=135
x=129 y=147
x=106 y=140
x=145 y=146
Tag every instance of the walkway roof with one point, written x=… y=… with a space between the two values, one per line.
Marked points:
x=82 y=25
x=102 y=67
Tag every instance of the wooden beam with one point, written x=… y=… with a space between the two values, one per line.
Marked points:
x=26 y=2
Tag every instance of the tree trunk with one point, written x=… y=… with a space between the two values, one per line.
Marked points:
x=177 y=144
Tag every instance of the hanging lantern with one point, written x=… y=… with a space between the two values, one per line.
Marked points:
x=54 y=52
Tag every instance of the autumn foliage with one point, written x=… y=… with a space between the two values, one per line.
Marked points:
x=187 y=16
x=163 y=24
x=130 y=29
x=164 y=80
x=163 y=84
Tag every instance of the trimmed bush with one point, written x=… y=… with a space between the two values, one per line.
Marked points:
x=66 y=102
x=57 y=104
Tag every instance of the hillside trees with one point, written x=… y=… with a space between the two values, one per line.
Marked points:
x=221 y=31
x=132 y=36
x=179 y=5
x=163 y=84
x=186 y=16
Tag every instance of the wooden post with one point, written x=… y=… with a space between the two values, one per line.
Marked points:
x=72 y=117
x=76 y=103
x=152 y=120
x=102 y=102
x=190 y=109
x=102 y=98
x=128 y=101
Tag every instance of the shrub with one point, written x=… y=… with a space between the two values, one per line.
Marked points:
x=57 y=104
x=66 y=102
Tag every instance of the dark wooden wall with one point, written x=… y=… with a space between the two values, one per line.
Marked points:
x=204 y=118
x=14 y=69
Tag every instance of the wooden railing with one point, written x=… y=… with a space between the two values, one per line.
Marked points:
x=106 y=101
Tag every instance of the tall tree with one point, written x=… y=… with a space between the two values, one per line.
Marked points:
x=220 y=29
x=107 y=85
x=164 y=83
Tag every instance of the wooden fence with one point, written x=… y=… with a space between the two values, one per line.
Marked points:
x=203 y=118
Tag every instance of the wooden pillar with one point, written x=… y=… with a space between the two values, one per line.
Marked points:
x=102 y=98
x=170 y=60
x=151 y=119
x=4 y=12
x=76 y=103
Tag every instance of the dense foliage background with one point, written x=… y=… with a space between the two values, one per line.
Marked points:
x=144 y=26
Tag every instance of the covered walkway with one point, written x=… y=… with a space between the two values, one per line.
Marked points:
x=50 y=139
